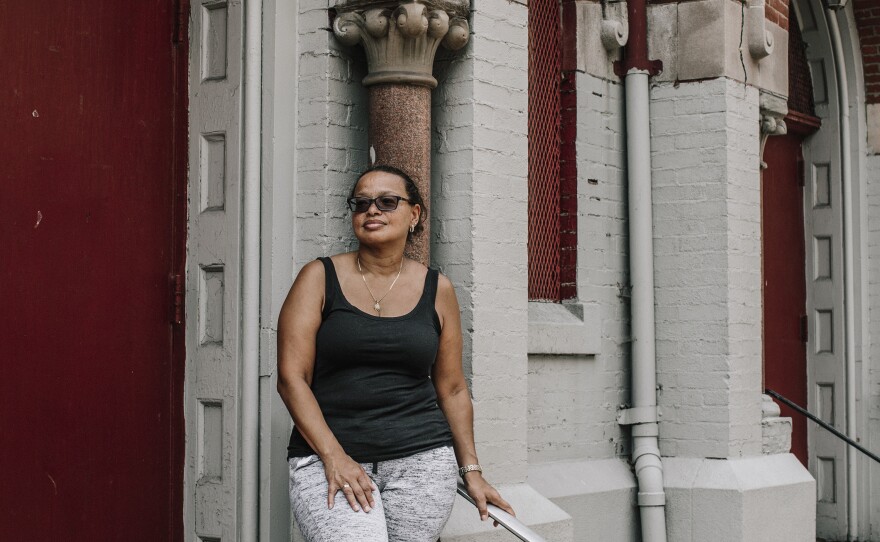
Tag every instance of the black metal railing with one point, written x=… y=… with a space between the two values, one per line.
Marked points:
x=824 y=425
x=504 y=519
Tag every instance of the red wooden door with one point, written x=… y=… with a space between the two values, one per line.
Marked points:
x=90 y=164
x=785 y=295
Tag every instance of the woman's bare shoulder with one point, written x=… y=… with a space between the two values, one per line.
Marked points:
x=308 y=287
x=315 y=268
x=310 y=273
x=444 y=284
x=343 y=258
x=446 y=298
x=416 y=267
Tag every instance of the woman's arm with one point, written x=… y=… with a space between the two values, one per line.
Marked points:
x=298 y=326
x=455 y=400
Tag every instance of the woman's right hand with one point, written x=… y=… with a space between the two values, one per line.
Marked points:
x=344 y=473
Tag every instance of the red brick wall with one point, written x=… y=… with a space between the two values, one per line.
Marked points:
x=868 y=20
x=777 y=12
x=800 y=84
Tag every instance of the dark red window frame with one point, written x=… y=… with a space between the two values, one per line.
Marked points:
x=552 y=243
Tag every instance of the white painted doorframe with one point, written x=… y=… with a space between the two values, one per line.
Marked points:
x=827 y=353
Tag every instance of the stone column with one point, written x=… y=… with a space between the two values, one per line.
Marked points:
x=400 y=40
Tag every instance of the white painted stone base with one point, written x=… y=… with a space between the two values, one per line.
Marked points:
x=764 y=498
x=532 y=508
x=771 y=497
x=599 y=495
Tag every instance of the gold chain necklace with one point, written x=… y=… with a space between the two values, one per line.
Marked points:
x=377 y=306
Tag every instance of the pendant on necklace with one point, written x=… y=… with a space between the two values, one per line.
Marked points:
x=377 y=307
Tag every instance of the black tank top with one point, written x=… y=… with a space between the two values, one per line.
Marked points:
x=372 y=377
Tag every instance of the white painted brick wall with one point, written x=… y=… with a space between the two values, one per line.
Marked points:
x=480 y=218
x=776 y=435
x=707 y=267
x=573 y=400
x=332 y=126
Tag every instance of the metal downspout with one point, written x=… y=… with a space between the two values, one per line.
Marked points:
x=250 y=297
x=643 y=414
x=849 y=271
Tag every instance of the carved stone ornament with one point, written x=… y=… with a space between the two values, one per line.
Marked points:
x=771 y=124
x=759 y=36
x=401 y=40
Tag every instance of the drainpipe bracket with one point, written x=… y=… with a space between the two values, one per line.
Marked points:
x=637 y=415
x=654 y=68
x=650 y=429
x=652 y=499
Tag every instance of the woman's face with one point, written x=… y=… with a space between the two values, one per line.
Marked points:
x=376 y=226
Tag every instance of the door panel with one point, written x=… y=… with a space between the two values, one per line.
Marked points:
x=87 y=227
x=826 y=348
x=823 y=236
x=213 y=272
x=782 y=221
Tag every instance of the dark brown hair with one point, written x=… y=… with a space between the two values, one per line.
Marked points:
x=412 y=192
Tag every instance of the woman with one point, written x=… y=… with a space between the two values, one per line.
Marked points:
x=369 y=366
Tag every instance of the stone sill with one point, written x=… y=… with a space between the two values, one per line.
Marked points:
x=564 y=328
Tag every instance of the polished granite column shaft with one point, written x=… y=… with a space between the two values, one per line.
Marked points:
x=400 y=40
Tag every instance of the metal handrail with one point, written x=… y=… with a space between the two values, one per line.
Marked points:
x=504 y=519
x=824 y=425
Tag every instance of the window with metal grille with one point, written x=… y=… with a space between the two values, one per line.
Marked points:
x=800 y=84
x=552 y=172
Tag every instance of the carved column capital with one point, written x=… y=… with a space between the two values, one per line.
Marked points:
x=401 y=38
x=772 y=124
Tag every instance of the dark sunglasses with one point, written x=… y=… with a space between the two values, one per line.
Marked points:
x=383 y=203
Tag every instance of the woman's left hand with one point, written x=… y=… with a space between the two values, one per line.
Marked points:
x=483 y=493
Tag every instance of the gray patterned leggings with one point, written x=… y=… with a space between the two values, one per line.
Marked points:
x=413 y=502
